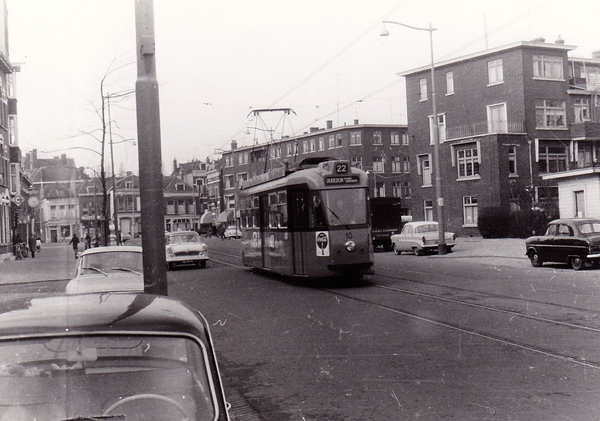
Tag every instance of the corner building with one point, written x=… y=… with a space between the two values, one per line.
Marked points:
x=505 y=119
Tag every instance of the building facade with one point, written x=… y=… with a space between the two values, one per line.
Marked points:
x=505 y=120
x=381 y=150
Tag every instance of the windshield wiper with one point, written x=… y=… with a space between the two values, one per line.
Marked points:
x=127 y=270
x=338 y=218
x=96 y=269
x=94 y=417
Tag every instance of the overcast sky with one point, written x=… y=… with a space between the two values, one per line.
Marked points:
x=219 y=60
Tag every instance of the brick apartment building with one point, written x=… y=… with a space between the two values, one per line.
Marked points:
x=508 y=117
x=382 y=150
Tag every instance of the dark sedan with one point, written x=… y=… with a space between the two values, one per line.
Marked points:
x=107 y=356
x=570 y=240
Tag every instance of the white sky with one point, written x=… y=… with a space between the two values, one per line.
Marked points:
x=218 y=60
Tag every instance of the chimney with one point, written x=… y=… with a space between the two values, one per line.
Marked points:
x=174 y=164
x=314 y=129
x=356 y=121
x=233 y=145
x=329 y=124
x=539 y=39
x=559 y=40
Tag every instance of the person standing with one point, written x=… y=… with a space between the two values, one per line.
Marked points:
x=32 y=245
x=75 y=242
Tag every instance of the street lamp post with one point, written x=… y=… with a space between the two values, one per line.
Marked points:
x=436 y=138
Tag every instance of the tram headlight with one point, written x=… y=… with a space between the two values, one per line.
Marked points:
x=350 y=245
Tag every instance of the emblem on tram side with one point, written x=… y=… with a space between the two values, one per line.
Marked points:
x=322 y=239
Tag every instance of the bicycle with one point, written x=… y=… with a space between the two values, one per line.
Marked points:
x=19 y=251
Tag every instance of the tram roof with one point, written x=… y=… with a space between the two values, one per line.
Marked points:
x=310 y=171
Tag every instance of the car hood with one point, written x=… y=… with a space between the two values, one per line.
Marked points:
x=185 y=246
x=114 y=282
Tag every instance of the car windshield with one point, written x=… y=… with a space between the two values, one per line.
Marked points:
x=426 y=228
x=183 y=238
x=64 y=378
x=589 y=227
x=345 y=207
x=112 y=261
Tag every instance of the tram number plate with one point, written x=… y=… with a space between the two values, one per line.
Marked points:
x=348 y=179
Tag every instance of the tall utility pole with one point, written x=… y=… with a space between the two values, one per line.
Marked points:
x=149 y=148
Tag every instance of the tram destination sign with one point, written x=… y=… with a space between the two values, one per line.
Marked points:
x=344 y=179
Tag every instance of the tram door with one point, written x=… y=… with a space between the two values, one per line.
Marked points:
x=264 y=234
x=298 y=210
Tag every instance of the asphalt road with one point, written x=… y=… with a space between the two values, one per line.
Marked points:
x=474 y=335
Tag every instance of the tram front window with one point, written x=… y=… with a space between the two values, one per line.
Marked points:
x=345 y=207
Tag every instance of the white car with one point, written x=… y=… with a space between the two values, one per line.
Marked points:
x=233 y=232
x=420 y=237
x=105 y=269
x=185 y=247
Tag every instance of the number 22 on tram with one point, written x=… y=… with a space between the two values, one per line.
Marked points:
x=312 y=222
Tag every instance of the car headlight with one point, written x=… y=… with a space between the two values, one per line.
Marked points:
x=169 y=250
x=350 y=245
x=203 y=248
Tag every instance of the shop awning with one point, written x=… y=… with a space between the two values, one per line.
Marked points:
x=207 y=218
x=225 y=216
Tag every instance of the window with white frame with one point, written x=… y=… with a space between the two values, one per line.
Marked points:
x=379 y=189
x=357 y=162
x=407 y=189
x=229 y=183
x=470 y=211
x=355 y=138
x=321 y=143
x=467 y=161
x=228 y=160
x=338 y=140
x=449 y=83
x=441 y=128
x=581 y=106
x=497 y=118
x=377 y=138
x=181 y=207
x=423 y=89
x=397 y=189
x=305 y=146
x=395 y=138
x=547 y=67
x=129 y=184
x=406 y=164
x=424 y=169
x=378 y=164
x=550 y=113
x=405 y=139
x=512 y=160
x=312 y=145
x=428 y=210
x=171 y=207
x=495 y=72
x=331 y=141
x=396 y=164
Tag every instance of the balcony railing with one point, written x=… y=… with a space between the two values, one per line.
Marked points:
x=483 y=128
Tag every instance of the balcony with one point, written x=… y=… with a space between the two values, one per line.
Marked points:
x=585 y=130
x=483 y=128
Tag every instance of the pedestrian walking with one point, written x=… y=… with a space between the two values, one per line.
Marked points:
x=32 y=246
x=88 y=241
x=75 y=242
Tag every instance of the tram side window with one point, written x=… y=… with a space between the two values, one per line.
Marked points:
x=317 y=218
x=278 y=215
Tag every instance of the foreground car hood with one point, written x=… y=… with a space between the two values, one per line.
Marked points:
x=117 y=282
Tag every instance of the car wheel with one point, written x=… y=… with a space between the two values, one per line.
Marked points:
x=396 y=250
x=418 y=252
x=577 y=263
x=535 y=260
x=203 y=264
x=169 y=266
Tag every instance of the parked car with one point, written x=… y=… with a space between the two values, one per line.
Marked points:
x=114 y=268
x=100 y=356
x=185 y=247
x=420 y=237
x=233 y=231
x=570 y=240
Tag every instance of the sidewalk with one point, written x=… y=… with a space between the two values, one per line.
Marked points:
x=54 y=262
x=490 y=247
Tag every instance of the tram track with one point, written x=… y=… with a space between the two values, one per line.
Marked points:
x=472 y=331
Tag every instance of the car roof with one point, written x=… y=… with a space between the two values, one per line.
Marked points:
x=98 y=312
x=110 y=249
x=420 y=223
x=574 y=220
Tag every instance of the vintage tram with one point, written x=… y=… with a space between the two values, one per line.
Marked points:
x=312 y=221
